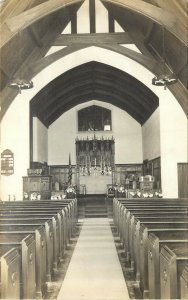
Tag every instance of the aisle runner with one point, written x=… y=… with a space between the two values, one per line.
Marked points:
x=94 y=272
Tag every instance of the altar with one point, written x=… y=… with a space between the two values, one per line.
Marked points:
x=96 y=184
x=95 y=164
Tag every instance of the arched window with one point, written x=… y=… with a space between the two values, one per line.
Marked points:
x=94 y=118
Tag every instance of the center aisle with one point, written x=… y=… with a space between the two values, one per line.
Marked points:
x=94 y=272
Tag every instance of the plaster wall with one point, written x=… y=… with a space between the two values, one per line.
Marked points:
x=126 y=131
x=40 y=141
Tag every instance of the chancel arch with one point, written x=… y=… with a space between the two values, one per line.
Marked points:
x=122 y=63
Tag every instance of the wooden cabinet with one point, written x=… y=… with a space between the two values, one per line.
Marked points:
x=40 y=184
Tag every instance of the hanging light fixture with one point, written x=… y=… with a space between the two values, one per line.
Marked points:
x=20 y=82
x=164 y=79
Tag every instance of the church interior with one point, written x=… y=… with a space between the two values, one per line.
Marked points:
x=94 y=149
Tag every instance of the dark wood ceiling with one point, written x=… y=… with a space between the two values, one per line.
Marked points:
x=96 y=81
x=30 y=27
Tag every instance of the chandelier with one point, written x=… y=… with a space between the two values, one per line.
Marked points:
x=20 y=82
x=164 y=79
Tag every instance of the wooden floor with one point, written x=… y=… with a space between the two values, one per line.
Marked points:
x=94 y=272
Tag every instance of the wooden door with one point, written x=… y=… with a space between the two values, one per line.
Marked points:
x=182 y=180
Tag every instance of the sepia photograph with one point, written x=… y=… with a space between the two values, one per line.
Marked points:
x=93 y=149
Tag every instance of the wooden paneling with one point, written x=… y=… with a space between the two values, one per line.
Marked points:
x=131 y=171
x=60 y=174
x=182 y=180
x=153 y=168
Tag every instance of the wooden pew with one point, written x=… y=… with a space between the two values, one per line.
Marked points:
x=117 y=203
x=57 y=219
x=134 y=222
x=38 y=218
x=130 y=215
x=71 y=205
x=11 y=273
x=145 y=207
x=133 y=239
x=184 y=283
x=176 y=233
x=28 y=225
x=60 y=242
x=163 y=212
x=35 y=208
x=172 y=262
x=134 y=207
x=155 y=243
x=17 y=208
x=63 y=218
x=40 y=244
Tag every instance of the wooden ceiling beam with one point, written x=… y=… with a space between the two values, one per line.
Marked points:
x=111 y=22
x=178 y=7
x=80 y=84
x=156 y=14
x=92 y=16
x=181 y=69
x=25 y=19
x=149 y=63
x=90 y=93
x=93 y=38
x=178 y=90
x=35 y=37
x=149 y=32
x=74 y=23
x=13 y=8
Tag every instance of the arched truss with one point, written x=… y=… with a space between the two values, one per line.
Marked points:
x=29 y=22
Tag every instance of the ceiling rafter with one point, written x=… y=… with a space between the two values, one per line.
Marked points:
x=17 y=23
x=91 y=78
x=179 y=90
x=154 y=66
x=116 y=89
x=86 y=95
x=157 y=14
x=34 y=35
x=87 y=76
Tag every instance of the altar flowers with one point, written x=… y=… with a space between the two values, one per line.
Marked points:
x=70 y=192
